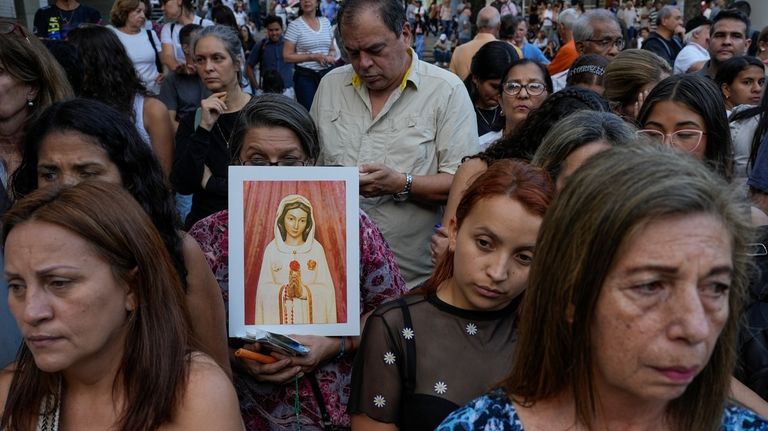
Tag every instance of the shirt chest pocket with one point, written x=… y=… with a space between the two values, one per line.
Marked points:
x=341 y=140
x=409 y=142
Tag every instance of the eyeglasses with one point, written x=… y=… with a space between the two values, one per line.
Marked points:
x=607 y=42
x=686 y=139
x=258 y=161
x=532 y=88
x=9 y=27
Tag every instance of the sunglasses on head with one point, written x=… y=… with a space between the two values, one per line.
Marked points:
x=10 y=27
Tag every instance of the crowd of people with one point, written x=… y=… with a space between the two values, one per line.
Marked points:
x=562 y=218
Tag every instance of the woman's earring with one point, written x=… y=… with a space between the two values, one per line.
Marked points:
x=30 y=103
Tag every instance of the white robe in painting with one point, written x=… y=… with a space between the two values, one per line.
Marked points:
x=274 y=302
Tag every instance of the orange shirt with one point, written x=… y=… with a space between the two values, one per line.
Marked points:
x=565 y=56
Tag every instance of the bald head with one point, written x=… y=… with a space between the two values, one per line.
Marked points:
x=488 y=20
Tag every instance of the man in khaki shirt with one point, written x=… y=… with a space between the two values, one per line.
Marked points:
x=405 y=123
x=488 y=21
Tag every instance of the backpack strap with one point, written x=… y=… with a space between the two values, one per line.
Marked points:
x=262 y=49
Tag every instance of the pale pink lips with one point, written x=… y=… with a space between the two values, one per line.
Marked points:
x=487 y=292
x=41 y=341
x=678 y=374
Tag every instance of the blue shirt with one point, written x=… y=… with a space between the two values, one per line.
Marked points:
x=533 y=52
x=270 y=55
x=494 y=412
x=329 y=9
x=758 y=176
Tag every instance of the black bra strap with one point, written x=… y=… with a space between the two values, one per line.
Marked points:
x=410 y=350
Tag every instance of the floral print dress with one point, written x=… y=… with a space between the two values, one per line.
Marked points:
x=495 y=412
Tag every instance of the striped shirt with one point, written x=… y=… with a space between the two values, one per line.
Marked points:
x=309 y=41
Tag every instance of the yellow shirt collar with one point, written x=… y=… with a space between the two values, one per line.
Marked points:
x=357 y=82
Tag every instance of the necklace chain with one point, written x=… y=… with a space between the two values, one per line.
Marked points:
x=493 y=120
x=226 y=141
x=65 y=21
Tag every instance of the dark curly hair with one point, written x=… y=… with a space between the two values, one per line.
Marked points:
x=109 y=75
x=140 y=171
x=523 y=142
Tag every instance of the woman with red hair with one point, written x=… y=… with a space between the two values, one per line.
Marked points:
x=405 y=374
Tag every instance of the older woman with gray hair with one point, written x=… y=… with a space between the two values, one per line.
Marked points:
x=633 y=304
x=203 y=147
x=578 y=137
x=273 y=130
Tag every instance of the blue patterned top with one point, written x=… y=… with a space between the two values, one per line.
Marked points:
x=494 y=412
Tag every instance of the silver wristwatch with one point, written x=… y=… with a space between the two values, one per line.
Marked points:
x=403 y=196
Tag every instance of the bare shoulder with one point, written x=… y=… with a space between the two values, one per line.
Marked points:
x=205 y=302
x=209 y=399
x=154 y=106
x=471 y=169
x=203 y=370
x=189 y=245
x=193 y=257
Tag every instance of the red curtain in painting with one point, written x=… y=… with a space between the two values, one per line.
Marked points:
x=260 y=202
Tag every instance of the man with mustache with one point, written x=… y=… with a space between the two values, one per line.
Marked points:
x=406 y=124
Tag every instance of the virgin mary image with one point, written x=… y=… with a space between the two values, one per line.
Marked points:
x=295 y=285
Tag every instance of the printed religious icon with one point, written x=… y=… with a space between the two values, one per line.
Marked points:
x=294 y=250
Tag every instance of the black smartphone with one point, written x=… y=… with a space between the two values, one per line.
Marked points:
x=277 y=342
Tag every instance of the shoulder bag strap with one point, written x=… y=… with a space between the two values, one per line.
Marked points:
x=158 y=64
x=327 y=424
x=262 y=51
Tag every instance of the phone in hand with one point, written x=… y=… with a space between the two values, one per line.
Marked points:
x=277 y=342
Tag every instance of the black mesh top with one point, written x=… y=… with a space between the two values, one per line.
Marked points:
x=421 y=358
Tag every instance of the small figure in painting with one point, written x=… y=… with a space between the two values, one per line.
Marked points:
x=295 y=285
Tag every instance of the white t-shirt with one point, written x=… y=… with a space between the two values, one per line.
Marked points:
x=548 y=16
x=310 y=41
x=241 y=17
x=166 y=38
x=691 y=54
x=142 y=55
